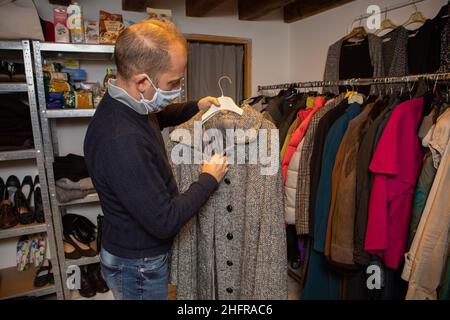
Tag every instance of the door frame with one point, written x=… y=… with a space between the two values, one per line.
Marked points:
x=247 y=43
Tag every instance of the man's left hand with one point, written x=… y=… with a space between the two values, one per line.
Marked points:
x=206 y=102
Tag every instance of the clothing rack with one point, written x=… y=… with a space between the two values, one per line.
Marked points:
x=357 y=81
x=388 y=9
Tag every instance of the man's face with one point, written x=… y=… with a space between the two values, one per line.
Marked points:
x=171 y=79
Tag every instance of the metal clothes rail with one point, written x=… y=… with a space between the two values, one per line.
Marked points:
x=357 y=81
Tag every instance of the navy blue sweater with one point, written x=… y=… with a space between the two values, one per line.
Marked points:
x=127 y=161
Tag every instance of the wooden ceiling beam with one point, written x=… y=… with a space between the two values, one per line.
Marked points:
x=254 y=9
x=199 y=8
x=136 y=5
x=302 y=9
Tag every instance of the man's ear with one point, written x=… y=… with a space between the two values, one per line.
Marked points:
x=141 y=82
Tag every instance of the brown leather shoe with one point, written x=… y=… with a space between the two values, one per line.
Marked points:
x=8 y=215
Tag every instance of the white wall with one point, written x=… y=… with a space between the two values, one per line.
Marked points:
x=269 y=37
x=310 y=38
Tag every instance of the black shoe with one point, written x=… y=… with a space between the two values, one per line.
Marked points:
x=2 y=190
x=70 y=239
x=11 y=186
x=5 y=71
x=18 y=72
x=38 y=206
x=72 y=255
x=26 y=215
x=44 y=275
x=80 y=227
x=8 y=215
x=27 y=188
x=87 y=288
x=95 y=276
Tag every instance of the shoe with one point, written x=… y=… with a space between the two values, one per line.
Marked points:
x=5 y=72
x=95 y=277
x=87 y=289
x=80 y=227
x=26 y=215
x=18 y=72
x=8 y=215
x=2 y=189
x=84 y=249
x=38 y=206
x=44 y=276
x=70 y=252
x=23 y=253
x=11 y=186
x=27 y=188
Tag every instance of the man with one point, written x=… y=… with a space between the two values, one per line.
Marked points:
x=128 y=164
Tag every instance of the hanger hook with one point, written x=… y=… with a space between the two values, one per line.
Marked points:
x=219 y=82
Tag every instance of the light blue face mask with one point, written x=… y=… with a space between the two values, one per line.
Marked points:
x=160 y=100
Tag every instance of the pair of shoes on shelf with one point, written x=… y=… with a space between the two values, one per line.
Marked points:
x=30 y=251
x=92 y=281
x=79 y=234
x=12 y=72
x=74 y=249
x=20 y=196
x=44 y=275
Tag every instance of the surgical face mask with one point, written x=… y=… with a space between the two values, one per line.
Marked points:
x=160 y=100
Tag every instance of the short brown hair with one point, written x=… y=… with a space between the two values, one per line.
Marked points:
x=143 y=48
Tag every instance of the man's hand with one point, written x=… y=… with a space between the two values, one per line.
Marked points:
x=217 y=167
x=206 y=102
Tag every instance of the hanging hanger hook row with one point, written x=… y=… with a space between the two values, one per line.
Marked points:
x=220 y=84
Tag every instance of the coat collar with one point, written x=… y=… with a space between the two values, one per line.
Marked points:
x=250 y=121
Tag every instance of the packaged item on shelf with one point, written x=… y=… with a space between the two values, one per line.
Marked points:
x=94 y=87
x=59 y=64
x=69 y=100
x=84 y=100
x=60 y=20
x=55 y=100
x=58 y=86
x=111 y=25
x=75 y=74
x=75 y=23
x=51 y=67
x=53 y=75
x=92 y=32
x=110 y=74
x=78 y=100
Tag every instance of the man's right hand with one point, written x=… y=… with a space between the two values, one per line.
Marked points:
x=217 y=166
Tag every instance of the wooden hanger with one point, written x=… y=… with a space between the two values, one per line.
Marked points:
x=226 y=103
x=386 y=24
x=416 y=17
x=358 y=31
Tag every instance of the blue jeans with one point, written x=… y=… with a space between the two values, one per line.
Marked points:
x=136 y=279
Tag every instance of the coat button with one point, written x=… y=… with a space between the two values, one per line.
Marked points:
x=229 y=290
x=229 y=208
x=227 y=181
x=230 y=236
x=229 y=263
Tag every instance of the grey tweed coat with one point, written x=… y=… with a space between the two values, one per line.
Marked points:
x=235 y=248
x=334 y=55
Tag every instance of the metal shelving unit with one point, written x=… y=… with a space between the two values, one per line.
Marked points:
x=13 y=283
x=72 y=113
x=17 y=155
x=91 y=198
x=21 y=230
x=48 y=123
x=13 y=87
